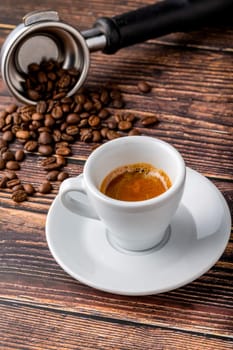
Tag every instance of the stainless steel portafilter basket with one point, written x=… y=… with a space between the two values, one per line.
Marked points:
x=43 y=36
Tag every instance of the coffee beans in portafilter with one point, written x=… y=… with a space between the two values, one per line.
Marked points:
x=50 y=127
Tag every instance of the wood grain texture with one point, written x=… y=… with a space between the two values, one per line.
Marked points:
x=42 y=307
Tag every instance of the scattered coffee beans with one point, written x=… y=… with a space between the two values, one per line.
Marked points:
x=56 y=121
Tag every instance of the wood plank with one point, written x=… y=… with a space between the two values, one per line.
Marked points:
x=39 y=328
x=29 y=275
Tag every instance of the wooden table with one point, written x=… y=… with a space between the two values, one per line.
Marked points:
x=192 y=95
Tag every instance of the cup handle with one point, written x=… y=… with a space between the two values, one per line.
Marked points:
x=80 y=206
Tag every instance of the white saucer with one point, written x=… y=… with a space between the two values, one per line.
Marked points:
x=199 y=233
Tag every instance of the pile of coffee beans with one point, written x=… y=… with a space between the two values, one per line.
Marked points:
x=55 y=122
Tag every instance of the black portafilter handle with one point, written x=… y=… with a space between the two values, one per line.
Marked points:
x=161 y=18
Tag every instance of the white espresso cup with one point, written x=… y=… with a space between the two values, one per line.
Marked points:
x=131 y=225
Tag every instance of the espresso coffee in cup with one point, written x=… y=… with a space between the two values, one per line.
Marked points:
x=135 y=182
x=139 y=221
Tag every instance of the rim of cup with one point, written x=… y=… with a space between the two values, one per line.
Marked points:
x=180 y=178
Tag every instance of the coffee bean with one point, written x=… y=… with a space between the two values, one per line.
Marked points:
x=11 y=108
x=61 y=161
x=52 y=175
x=124 y=125
x=23 y=134
x=3 y=181
x=96 y=136
x=103 y=113
x=17 y=187
x=12 y=183
x=134 y=132
x=37 y=116
x=29 y=189
x=57 y=112
x=3 y=143
x=48 y=160
x=33 y=94
x=45 y=138
x=150 y=120
x=62 y=176
x=8 y=155
x=111 y=134
x=144 y=87
x=19 y=196
x=73 y=118
x=72 y=130
x=45 y=150
x=2 y=164
x=63 y=151
x=93 y=120
x=8 y=136
x=12 y=165
x=10 y=174
x=31 y=146
x=19 y=155
x=41 y=107
x=45 y=187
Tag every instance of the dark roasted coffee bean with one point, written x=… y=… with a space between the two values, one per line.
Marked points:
x=59 y=96
x=3 y=181
x=48 y=160
x=73 y=118
x=86 y=135
x=45 y=138
x=45 y=150
x=112 y=124
x=45 y=187
x=96 y=136
x=129 y=117
x=2 y=164
x=124 y=125
x=62 y=144
x=12 y=165
x=3 y=150
x=8 y=136
x=19 y=196
x=11 y=108
x=104 y=132
x=63 y=151
x=88 y=106
x=17 y=187
x=64 y=81
x=62 y=176
x=31 y=146
x=19 y=155
x=93 y=120
x=37 y=116
x=52 y=175
x=8 y=155
x=33 y=94
x=3 y=143
x=12 y=183
x=57 y=112
x=111 y=134
x=29 y=189
x=49 y=120
x=103 y=113
x=41 y=107
x=72 y=130
x=2 y=123
x=61 y=161
x=144 y=87
x=23 y=134
x=10 y=174
x=42 y=77
x=150 y=120
x=57 y=135
x=134 y=132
